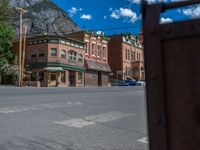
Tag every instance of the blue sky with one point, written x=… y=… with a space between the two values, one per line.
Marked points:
x=117 y=16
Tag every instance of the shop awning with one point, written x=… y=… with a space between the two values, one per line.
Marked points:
x=97 y=66
x=53 y=69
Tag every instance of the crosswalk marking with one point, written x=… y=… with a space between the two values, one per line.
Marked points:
x=15 y=109
x=94 y=119
x=143 y=140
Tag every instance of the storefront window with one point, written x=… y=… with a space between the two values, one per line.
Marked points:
x=80 y=78
x=41 y=76
x=33 y=76
x=63 y=77
x=53 y=77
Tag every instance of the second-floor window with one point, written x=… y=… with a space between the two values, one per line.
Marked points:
x=72 y=55
x=41 y=53
x=99 y=51
x=80 y=58
x=63 y=53
x=33 y=55
x=93 y=49
x=134 y=56
x=139 y=57
x=126 y=54
x=104 y=52
x=86 y=48
x=53 y=51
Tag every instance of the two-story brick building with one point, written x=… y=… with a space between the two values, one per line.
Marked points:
x=126 y=57
x=55 y=60
x=96 y=57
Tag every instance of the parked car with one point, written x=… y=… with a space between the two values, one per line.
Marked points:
x=128 y=83
x=140 y=83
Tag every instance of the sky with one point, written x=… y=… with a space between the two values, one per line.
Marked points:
x=118 y=16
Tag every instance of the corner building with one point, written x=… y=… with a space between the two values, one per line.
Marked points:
x=55 y=61
x=96 y=57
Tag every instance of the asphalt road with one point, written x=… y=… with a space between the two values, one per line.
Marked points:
x=109 y=118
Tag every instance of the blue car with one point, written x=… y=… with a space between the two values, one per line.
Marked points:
x=128 y=83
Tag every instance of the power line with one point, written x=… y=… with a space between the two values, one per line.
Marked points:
x=118 y=28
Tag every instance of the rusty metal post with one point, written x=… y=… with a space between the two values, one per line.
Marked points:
x=173 y=79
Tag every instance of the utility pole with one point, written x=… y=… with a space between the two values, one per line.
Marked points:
x=21 y=11
x=23 y=53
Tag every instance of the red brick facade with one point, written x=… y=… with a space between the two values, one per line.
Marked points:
x=96 y=58
x=126 y=58
x=55 y=60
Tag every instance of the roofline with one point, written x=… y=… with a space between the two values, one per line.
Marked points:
x=49 y=35
x=90 y=33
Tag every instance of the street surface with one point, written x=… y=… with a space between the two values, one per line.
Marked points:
x=107 y=118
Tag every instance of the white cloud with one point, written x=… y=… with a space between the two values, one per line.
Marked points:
x=124 y=13
x=151 y=1
x=110 y=9
x=86 y=17
x=74 y=11
x=105 y=17
x=193 y=12
x=165 y=20
x=115 y=15
x=134 y=1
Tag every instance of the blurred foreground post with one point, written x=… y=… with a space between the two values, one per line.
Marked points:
x=172 y=60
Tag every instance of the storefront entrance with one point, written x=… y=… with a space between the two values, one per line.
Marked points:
x=99 y=78
x=53 y=79
x=72 y=78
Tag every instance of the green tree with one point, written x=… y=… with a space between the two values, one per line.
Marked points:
x=6 y=12
x=6 y=35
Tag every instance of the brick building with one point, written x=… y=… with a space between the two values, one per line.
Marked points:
x=96 y=57
x=55 y=60
x=126 y=57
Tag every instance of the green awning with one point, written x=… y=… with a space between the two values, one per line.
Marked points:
x=53 y=69
x=57 y=65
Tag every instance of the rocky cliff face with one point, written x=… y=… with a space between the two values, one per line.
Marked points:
x=43 y=17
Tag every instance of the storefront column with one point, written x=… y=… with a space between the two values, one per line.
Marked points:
x=83 y=78
x=67 y=78
x=45 y=78
x=76 y=74
x=48 y=79
x=58 y=79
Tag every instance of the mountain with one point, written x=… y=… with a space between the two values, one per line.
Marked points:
x=43 y=17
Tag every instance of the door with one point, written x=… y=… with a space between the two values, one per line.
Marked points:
x=72 y=78
x=53 y=78
x=99 y=78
